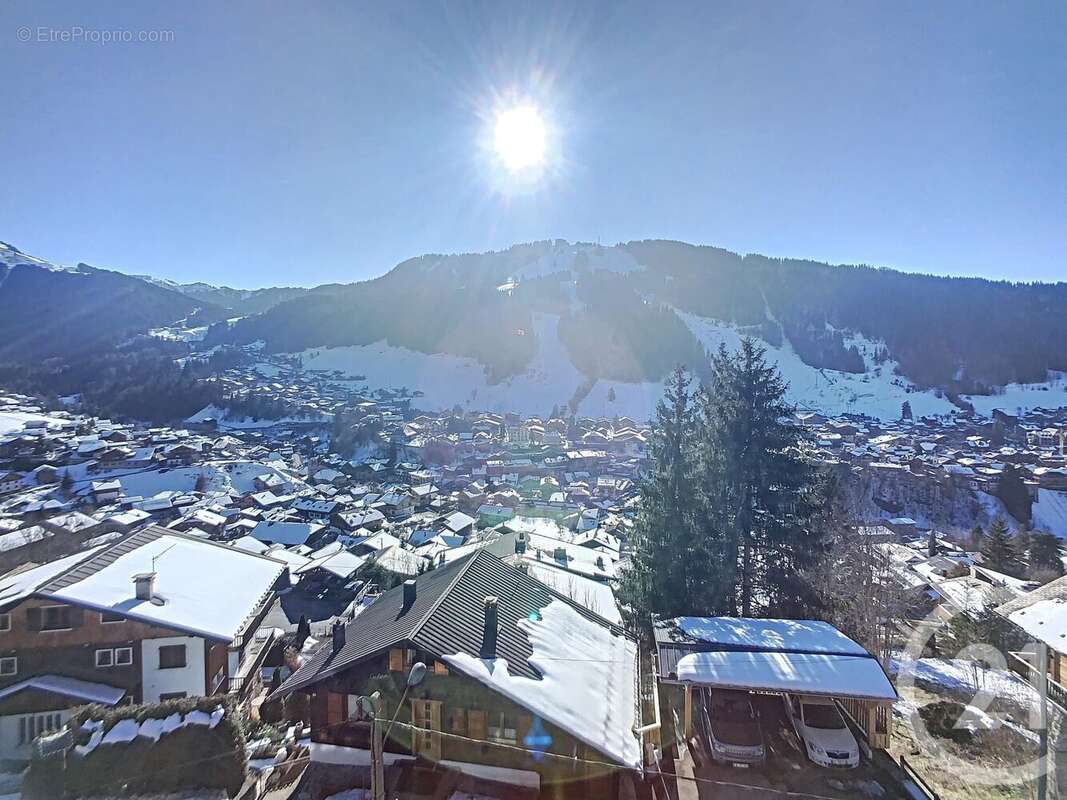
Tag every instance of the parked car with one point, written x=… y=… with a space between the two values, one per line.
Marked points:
x=822 y=730
x=733 y=728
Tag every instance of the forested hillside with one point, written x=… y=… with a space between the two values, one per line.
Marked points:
x=617 y=313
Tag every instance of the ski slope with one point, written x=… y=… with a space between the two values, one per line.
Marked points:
x=551 y=379
x=1050 y=512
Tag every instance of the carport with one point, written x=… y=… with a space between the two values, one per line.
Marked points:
x=776 y=656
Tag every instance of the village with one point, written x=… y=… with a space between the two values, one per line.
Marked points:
x=355 y=563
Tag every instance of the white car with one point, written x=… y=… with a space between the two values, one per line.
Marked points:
x=822 y=730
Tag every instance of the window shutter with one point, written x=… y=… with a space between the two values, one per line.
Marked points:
x=77 y=614
x=396 y=661
x=33 y=619
x=477 y=724
x=335 y=713
x=459 y=721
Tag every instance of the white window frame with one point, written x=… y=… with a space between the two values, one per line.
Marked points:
x=110 y=621
x=123 y=656
x=44 y=615
x=13 y=661
x=5 y=621
x=110 y=662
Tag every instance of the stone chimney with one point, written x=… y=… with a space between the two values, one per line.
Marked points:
x=490 y=628
x=144 y=586
x=338 y=636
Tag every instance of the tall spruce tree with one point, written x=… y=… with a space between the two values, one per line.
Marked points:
x=757 y=496
x=661 y=573
x=998 y=550
x=1046 y=554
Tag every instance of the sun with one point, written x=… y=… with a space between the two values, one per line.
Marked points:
x=519 y=138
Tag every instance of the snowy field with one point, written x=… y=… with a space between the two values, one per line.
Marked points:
x=551 y=379
x=1050 y=512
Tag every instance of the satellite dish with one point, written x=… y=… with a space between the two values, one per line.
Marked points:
x=418 y=672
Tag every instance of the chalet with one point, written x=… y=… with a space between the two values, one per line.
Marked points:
x=286 y=533
x=106 y=491
x=122 y=622
x=369 y=518
x=512 y=667
x=1040 y=613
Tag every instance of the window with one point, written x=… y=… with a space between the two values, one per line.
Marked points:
x=503 y=728
x=5 y=622
x=172 y=656
x=9 y=666
x=116 y=657
x=171 y=696
x=107 y=618
x=56 y=618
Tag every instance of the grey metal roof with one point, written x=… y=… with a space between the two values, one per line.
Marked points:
x=447 y=617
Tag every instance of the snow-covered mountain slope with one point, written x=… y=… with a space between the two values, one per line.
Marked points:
x=551 y=379
x=1050 y=512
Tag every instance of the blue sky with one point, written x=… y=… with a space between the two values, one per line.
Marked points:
x=301 y=143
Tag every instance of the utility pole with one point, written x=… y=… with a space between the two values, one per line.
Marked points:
x=377 y=759
x=1042 y=691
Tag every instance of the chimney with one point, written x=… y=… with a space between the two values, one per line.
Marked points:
x=144 y=585
x=338 y=636
x=490 y=630
x=409 y=593
x=520 y=542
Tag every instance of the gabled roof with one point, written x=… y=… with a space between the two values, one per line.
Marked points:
x=446 y=617
x=205 y=588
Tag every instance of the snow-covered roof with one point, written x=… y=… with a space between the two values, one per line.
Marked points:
x=286 y=533
x=1046 y=621
x=587 y=684
x=801 y=673
x=88 y=691
x=205 y=588
x=738 y=633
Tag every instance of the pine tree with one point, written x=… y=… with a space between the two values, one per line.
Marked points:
x=1021 y=543
x=1012 y=491
x=757 y=495
x=977 y=535
x=657 y=582
x=905 y=410
x=66 y=483
x=998 y=551
x=1046 y=554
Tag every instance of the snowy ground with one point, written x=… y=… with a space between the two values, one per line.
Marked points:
x=1050 y=512
x=1015 y=396
x=12 y=421
x=958 y=676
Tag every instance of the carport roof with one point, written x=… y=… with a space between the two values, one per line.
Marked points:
x=830 y=674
